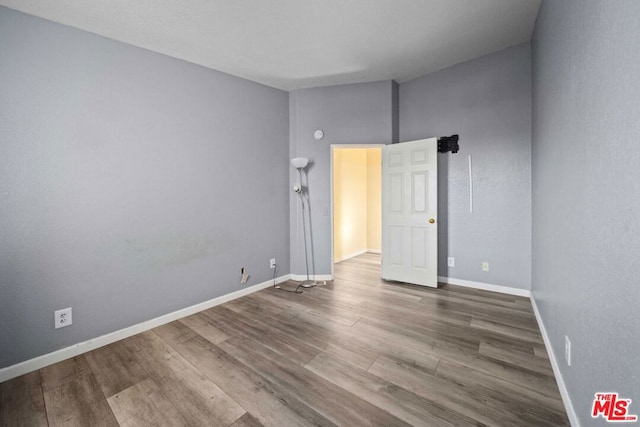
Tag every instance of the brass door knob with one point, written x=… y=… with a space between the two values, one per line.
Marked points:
x=431 y=220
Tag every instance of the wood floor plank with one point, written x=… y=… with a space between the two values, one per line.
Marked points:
x=490 y=298
x=336 y=310
x=465 y=292
x=254 y=304
x=481 y=308
x=413 y=314
x=175 y=332
x=544 y=409
x=77 y=399
x=442 y=328
x=396 y=400
x=367 y=347
x=114 y=368
x=443 y=392
x=200 y=401
x=204 y=327
x=291 y=325
x=352 y=346
x=343 y=298
x=347 y=353
x=63 y=372
x=517 y=358
x=283 y=343
x=245 y=386
x=247 y=420
x=144 y=405
x=333 y=402
x=318 y=333
x=428 y=344
x=22 y=402
x=492 y=366
x=354 y=288
x=366 y=279
x=540 y=351
x=507 y=330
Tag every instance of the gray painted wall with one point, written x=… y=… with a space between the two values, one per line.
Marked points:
x=348 y=114
x=488 y=102
x=131 y=184
x=586 y=193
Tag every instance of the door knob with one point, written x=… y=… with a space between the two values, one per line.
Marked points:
x=431 y=220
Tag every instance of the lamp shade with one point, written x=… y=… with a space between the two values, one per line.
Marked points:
x=299 y=162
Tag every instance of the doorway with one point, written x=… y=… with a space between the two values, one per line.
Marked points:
x=356 y=201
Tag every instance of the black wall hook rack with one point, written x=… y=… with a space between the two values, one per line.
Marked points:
x=448 y=143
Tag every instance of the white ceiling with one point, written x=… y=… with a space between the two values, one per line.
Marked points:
x=292 y=44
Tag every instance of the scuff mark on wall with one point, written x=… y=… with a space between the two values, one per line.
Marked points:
x=173 y=249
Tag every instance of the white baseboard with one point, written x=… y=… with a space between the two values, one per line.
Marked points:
x=68 y=352
x=374 y=251
x=568 y=405
x=485 y=286
x=353 y=255
x=317 y=277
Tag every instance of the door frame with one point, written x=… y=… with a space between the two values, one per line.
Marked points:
x=331 y=205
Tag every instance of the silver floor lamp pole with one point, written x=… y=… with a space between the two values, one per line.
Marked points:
x=300 y=163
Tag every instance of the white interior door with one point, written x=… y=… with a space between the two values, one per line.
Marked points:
x=409 y=207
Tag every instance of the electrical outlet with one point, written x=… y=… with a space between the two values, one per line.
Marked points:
x=62 y=318
x=245 y=276
x=272 y=263
x=451 y=262
x=485 y=266
x=567 y=350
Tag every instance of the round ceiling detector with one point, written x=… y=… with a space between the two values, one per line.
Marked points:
x=318 y=135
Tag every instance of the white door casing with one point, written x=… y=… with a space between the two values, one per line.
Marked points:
x=409 y=208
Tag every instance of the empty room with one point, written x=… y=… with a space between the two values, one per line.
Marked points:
x=319 y=213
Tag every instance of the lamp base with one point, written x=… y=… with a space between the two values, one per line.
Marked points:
x=307 y=284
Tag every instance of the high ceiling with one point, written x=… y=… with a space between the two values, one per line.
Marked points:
x=292 y=44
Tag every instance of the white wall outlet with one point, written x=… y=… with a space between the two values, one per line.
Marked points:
x=485 y=266
x=62 y=318
x=567 y=350
x=451 y=262
x=272 y=263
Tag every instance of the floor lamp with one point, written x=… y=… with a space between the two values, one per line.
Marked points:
x=300 y=163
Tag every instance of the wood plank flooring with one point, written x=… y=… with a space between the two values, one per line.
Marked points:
x=357 y=352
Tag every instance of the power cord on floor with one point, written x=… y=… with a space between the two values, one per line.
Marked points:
x=276 y=286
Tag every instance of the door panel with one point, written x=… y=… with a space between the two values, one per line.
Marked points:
x=396 y=245
x=419 y=252
x=396 y=188
x=396 y=159
x=419 y=156
x=409 y=202
x=419 y=192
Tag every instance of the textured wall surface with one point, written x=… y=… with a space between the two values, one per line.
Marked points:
x=131 y=184
x=348 y=114
x=586 y=193
x=488 y=102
